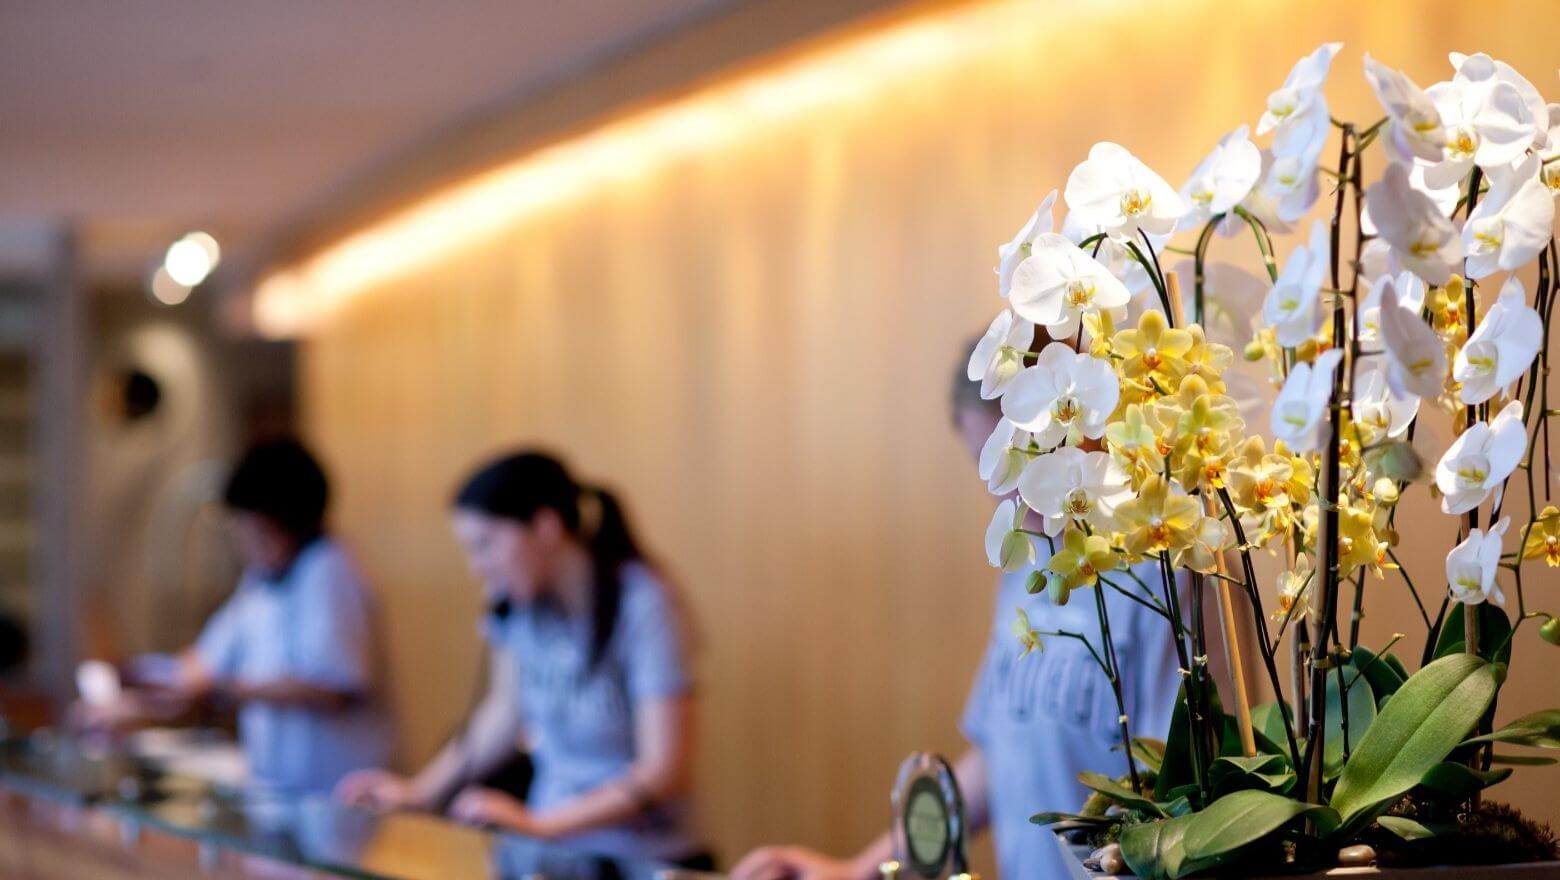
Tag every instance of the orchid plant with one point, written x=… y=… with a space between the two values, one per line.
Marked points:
x=1122 y=450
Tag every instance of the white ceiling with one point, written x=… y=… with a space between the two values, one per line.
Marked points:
x=139 y=120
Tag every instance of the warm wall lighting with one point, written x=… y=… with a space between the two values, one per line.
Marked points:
x=292 y=299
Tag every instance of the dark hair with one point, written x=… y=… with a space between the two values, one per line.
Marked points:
x=280 y=480
x=522 y=484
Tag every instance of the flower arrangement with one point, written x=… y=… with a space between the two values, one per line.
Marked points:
x=1122 y=450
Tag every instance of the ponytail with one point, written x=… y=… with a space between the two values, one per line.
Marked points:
x=520 y=485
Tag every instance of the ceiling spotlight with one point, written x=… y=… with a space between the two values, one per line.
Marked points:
x=190 y=259
x=167 y=290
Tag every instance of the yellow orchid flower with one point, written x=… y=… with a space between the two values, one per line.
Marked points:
x=1133 y=443
x=1157 y=520
x=1358 y=544
x=1150 y=354
x=1207 y=360
x=1543 y=537
x=1203 y=552
x=1292 y=586
x=1025 y=634
x=1083 y=558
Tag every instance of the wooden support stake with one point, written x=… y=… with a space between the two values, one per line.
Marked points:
x=1232 y=654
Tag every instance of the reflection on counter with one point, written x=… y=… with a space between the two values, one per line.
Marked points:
x=131 y=810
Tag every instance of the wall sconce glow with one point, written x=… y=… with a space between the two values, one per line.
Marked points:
x=190 y=259
x=294 y=297
x=166 y=290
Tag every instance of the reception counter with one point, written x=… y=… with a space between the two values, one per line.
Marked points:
x=73 y=812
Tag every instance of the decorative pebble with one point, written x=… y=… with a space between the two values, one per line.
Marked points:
x=1092 y=863
x=1111 y=861
x=1357 y=855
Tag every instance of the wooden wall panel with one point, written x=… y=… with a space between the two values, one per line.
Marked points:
x=753 y=344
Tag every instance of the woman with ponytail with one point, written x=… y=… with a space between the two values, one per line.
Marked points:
x=589 y=669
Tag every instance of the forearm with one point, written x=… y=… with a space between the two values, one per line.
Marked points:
x=970 y=770
x=479 y=747
x=623 y=798
x=864 y=865
x=290 y=692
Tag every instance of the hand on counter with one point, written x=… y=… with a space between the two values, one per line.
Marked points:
x=377 y=789
x=792 y=863
x=487 y=807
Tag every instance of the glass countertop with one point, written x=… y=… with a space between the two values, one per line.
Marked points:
x=311 y=831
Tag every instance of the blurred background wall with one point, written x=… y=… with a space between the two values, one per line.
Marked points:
x=751 y=337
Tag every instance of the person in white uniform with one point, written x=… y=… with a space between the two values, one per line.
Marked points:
x=1033 y=722
x=296 y=645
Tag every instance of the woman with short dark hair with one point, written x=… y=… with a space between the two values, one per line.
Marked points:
x=295 y=647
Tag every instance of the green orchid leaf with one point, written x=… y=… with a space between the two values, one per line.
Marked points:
x=1494 y=631
x=1362 y=711
x=1267 y=722
x=1050 y=818
x=1242 y=818
x=1405 y=827
x=1379 y=672
x=1459 y=781
x=1524 y=760
x=1396 y=664
x=1148 y=752
x=1539 y=730
x=1121 y=794
x=1258 y=772
x=1175 y=770
x=1417 y=728
x=1154 y=850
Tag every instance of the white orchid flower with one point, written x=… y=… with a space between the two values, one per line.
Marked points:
x=1488 y=123
x=1014 y=252
x=1297 y=110
x=1421 y=239
x=1115 y=191
x=1263 y=201
x=1072 y=485
x=1223 y=179
x=1113 y=254
x=1293 y=184
x=1003 y=457
x=1416 y=129
x=1301 y=404
x=1410 y=292
x=1501 y=348
x=1480 y=460
x=1471 y=566
x=1550 y=157
x=1066 y=394
x=1513 y=222
x=1293 y=306
x=1447 y=200
x=1059 y=283
x=1008 y=548
x=999 y=354
x=1377 y=406
x=1482 y=68
x=1416 y=357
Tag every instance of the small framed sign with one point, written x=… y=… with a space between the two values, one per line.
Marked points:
x=928 y=830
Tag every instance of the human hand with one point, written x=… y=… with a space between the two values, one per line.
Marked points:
x=376 y=789
x=792 y=863
x=480 y=806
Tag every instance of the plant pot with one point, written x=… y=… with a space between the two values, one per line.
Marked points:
x=1075 y=855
